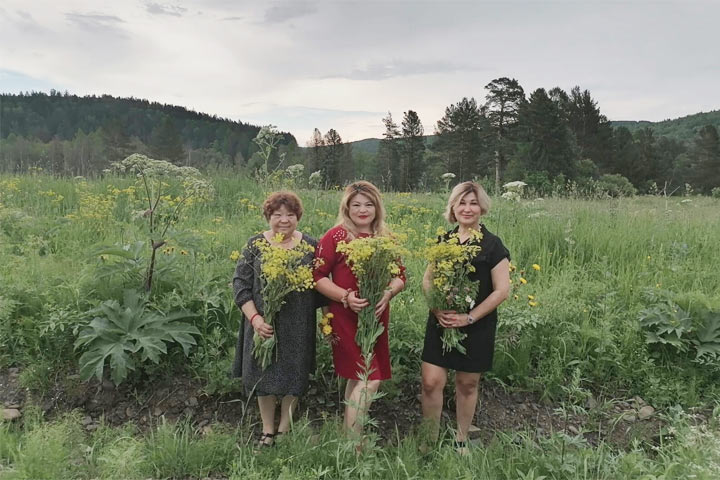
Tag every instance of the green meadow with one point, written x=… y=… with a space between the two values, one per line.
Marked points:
x=612 y=299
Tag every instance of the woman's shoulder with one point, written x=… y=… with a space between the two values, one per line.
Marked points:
x=309 y=240
x=254 y=238
x=336 y=234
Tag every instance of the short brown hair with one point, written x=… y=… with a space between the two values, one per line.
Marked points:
x=277 y=199
x=462 y=189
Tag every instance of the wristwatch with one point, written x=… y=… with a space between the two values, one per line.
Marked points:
x=470 y=319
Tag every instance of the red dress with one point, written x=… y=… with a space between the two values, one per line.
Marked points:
x=346 y=353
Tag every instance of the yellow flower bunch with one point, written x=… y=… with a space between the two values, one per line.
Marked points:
x=282 y=271
x=374 y=261
x=326 y=328
x=452 y=289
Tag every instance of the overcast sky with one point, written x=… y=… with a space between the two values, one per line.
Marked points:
x=344 y=65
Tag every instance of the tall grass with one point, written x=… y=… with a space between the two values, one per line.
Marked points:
x=599 y=259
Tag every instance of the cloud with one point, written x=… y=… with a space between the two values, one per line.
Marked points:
x=232 y=19
x=95 y=22
x=283 y=12
x=402 y=68
x=160 y=9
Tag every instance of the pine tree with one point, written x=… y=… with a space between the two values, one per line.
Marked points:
x=503 y=101
x=412 y=149
x=388 y=156
x=461 y=138
x=335 y=156
x=592 y=130
x=706 y=159
x=548 y=142
x=315 y=151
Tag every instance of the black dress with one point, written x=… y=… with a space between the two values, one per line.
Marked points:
x=295 y=330
x=480 y=341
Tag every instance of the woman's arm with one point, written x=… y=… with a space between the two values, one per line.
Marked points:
x=243 y=281
x=500 y=275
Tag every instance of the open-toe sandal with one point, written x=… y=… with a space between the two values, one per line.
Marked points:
x=266 y=440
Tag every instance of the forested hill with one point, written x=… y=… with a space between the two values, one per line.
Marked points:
x=683 y=128
x=124 y=122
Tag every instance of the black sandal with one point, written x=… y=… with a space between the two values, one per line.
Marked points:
x=263 y=440
x=461 y=447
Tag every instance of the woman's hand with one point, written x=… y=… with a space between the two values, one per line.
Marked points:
x=265 y=330
x=383 y=303
x=356 y=304
x=456 y=320
x=445 y=318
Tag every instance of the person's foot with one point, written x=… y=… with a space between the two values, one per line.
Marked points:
x=461 y=447
x=266 y=440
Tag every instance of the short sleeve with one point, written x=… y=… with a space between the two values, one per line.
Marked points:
x=325 y=255
x=244 y=276
x=497 y=253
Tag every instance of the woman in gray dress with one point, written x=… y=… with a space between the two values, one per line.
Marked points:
x=294 y=327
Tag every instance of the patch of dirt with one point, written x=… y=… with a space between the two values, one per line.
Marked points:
x=616 y=421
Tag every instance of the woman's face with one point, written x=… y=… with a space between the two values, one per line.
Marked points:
x=362 y=211
x=283 y=221
x=467 y=210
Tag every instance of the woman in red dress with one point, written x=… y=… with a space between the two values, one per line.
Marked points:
x=361 y=215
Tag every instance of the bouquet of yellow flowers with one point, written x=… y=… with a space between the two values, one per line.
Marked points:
x=374 y=261
x=452 y=288
x=281 y=272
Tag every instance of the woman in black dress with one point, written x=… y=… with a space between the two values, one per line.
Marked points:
x=467 y=203
x=294 y=329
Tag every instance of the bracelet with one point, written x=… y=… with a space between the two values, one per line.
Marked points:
x=253 y=317
x=344 y=299
x=470 y=319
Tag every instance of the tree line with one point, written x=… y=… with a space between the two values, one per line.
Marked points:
x=546 y=139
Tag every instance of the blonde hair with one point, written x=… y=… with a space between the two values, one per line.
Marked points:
x=459 y=191
x=371 y=191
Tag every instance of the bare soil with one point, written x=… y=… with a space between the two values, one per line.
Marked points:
x=617 y=421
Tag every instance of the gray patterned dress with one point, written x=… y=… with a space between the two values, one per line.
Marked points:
x=294 y=331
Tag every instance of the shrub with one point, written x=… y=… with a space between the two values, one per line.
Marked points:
x=616 y=185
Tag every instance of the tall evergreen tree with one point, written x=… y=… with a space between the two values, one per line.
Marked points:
x=503 y=101
x=624 y=153
x=335 y=154
x=412 y=151
x=592 y=130
x=388 y=156
x=706 y=159
x=549 y=146
x=315 y=154
x=461 y=137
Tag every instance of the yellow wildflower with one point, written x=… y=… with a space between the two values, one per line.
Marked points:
x=536 y=267
x=531 y=297
x=523 y=281
x=327 y=330
x=234 y=255
x=532 y=304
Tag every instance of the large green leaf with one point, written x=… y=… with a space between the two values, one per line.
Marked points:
x=183 y=334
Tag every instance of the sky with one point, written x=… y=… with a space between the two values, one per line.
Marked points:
x=338 y=64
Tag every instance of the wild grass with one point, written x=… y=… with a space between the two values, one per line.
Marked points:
x=60 y=449
x=602 y=262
